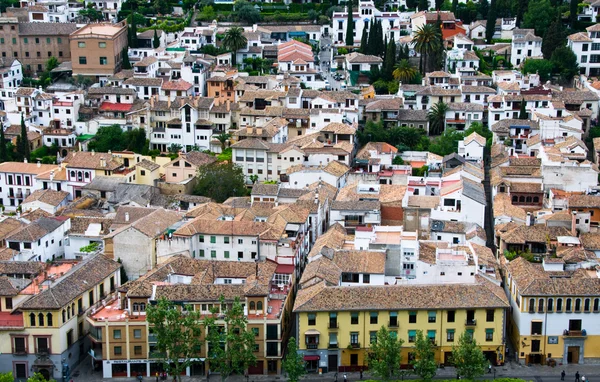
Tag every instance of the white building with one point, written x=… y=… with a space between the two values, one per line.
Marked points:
x=525 y=44
x=586 y=46
x=18 y=181
x=42 y=240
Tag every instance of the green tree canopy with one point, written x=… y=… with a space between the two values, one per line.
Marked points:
x=155 y=40
x=523 y=109
x=427 y=42
x=112 y=138
x=220 y=181
x=424 y=363
x=23 y=147
x=404 y=71
x=554 y=38
x=539 y=16
x=437 y=118
x=293 y=364
x=91 y=14
x=543 y=67
x=385 y=355
x=564 y=63
x=245 y=12
x=446 y=143
x=178 y=331
x=350 y=27
x=230 y=347
x=490 y=25
x=3 y=151
x=468 y=358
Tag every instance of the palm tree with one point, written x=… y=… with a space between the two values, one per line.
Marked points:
x=404 y=71
x=427 y=41
x=234 y=40
x=437 y=118
x=223 y=137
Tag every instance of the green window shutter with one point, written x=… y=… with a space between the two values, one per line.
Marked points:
x=227 y=254
x=431 y=334
x=213 y=254
x=201 y=253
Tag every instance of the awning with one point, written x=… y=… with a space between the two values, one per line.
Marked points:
x=311 y=358
x=312 y=332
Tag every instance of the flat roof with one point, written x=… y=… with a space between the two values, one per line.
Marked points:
x=100 y=29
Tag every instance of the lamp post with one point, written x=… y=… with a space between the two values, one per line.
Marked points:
x=494 y=373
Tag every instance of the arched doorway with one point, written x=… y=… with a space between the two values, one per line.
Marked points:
x=45 y=373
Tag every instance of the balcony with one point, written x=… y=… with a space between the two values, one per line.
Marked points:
x=574 y=333
x=393 y=324
x=333 y=325
x=20 y=351
x=312 y=346
x=355 y=345
x=42 y=352
x=470 y=322
x=332 y=346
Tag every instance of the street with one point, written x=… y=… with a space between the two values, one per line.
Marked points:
x=325 y=59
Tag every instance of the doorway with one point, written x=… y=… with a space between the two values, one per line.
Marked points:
x=573 y=354
x=332 y=362
x=20 y=370
x=353 y=359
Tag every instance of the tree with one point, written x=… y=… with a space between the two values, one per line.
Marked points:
x=230 y=347
x=293 y=364
x=36 y=377
x=468 y=358
x=122 y=271
x=454 y=5
x=385 y=355
x=223 y=137
x=389 y=61
x=7 y=4
x=427 y=41
x=553 y=38
x=573 y=12
x=3 y=152
x=423 y=5
x=220 y=181
x=483 y=7
x=437 y=118
x=447 y=143
x=234 y=40
x=178 y=331
x=23 y=147
x=539 y=16
x=424 y=363
x=490 y=24
x=91 y=14
x=523 y=110
x=108 y=138
x=135 y=140
x=364 y=40
x=133 y=43
x=411 y=4
x=155 y=40
x=125 y=54
x=245 y=12
x=6 y=377
x=404 y=71
x=564 y=63
x=542 y=67
x=350 y=27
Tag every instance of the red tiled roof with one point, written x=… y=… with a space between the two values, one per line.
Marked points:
x=176 y=85
x=110 y=106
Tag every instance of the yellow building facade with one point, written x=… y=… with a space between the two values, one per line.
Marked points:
x=339 y=337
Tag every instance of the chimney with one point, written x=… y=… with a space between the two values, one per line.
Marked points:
x=51 y=175
x=528 y=221
x=574 y=223
x=39 y=164
x=249 y=130
x=228 y=103
x=93 y=152
x=152 y=102
x=25 y=160
x=259 y=130
x=169 y=102
x=126 y=216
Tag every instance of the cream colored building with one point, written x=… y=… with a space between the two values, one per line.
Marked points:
x=97 y=49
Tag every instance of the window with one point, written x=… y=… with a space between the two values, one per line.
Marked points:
x=19 y=345
x=8 y=303
x=80 y=44
x=373 y=337
x=118 y=350
x=569 y=305
x=536 y=327
x=213 y=239
x=240 y=241
x=226 y=254
x=431 y=335
x=226 y=240
x=489 y=315
x=137 y=333
x=531 y=305
x=489 y=335
x=559 y=303
x=312 y=318
x=373 y=318
x=32 y=319
x=47 y=40
x=201 y=252
x=137 y=350
x=412 y=317
x=411 y=335
x=354 y=318
x=59 y=40
x=450 y=335
x=354 y=338
x=103 y=61
x=49 y=319
x=213 y=254
x=578 y=305
x=117 y=334
x=201 y=238
x=431 y=317
x=82 y=60
x=101 y=45
x=596 y=304
x=451 y=315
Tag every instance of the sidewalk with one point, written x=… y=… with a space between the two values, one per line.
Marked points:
x=83 y=373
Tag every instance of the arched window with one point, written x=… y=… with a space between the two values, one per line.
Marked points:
x=541 y=305
x=536 y=199
x=586 y=305
x=87 y=175
x=578 y=305
x=252 y=305
x=136 y=307
x=515 y=199
x=142 y=307
x=64 y=314
x=32 y=319
x=49 y=319
x=596 y=304
x=550 y=304
x=528 y=199
x=41 y=319
x=559 y=304
x=531 y=305
x=259 y=305
x=68 y=314
x=569 y=305
x=72 y=174
x=521 y=199
x=73 y=309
